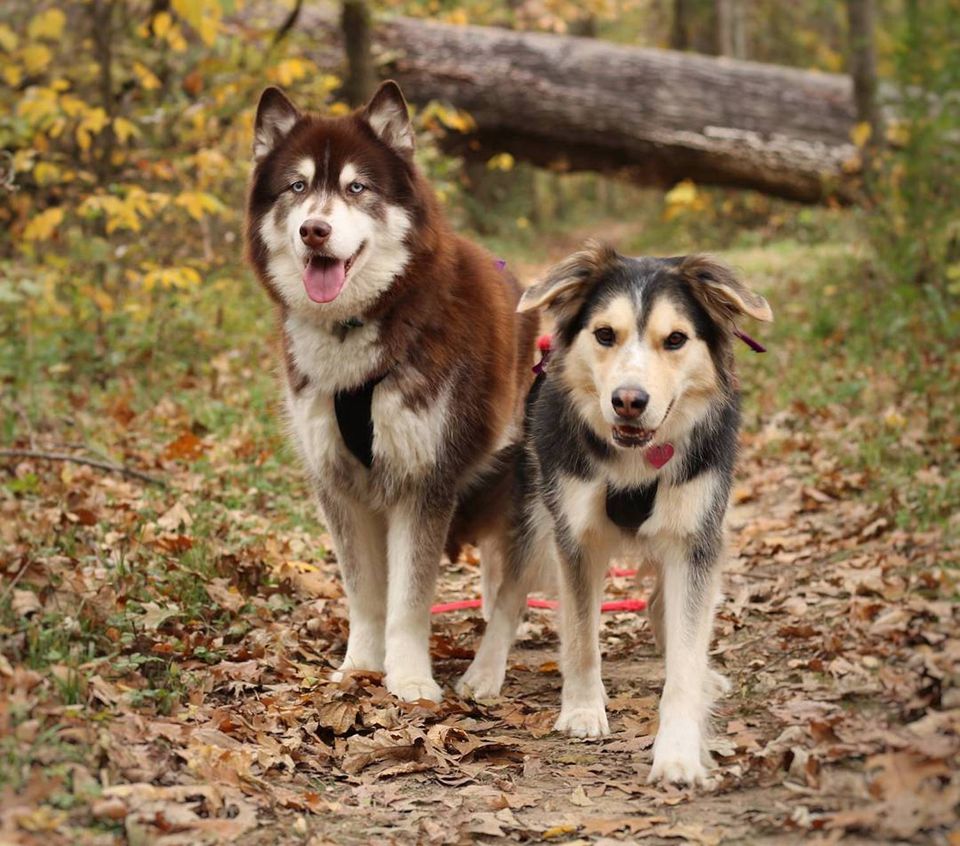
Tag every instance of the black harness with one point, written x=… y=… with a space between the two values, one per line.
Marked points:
x=355 y=419
x=630 y=509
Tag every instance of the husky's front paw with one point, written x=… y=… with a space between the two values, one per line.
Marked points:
x=412 y=689
x=583 y=720
x=480 y=682
x=358 y=664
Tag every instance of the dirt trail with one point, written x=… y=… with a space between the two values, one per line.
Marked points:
x=837 y=725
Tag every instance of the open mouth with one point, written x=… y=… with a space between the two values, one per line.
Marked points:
x=628 y=435
x=632 y=436
x=324 y=276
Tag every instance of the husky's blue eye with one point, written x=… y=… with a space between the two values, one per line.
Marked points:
x=605 y=336
x=675 y=340
x=298 y=187
x=356 y=187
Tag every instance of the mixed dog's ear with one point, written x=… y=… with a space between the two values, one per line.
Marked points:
x=720 y=292
x=276 y=116
x=568 y=284
x=389 y=118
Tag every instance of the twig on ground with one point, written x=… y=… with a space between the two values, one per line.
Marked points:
x=89 y=462
x=13 y=583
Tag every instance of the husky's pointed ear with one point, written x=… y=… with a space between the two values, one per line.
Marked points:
x=568 y=283
x=276 y=116
x=388 y=117
x=720 y=292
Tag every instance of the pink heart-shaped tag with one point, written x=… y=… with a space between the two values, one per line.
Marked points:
x=659 y=455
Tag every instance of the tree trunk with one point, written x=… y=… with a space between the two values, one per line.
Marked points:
x=655 y=116
x=863 y=63
x=730 y=17
x=680 y=25
x=361 y=73
x=101 y=26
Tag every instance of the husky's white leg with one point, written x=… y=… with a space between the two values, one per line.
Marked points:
x=415 y=536
x=359 y=540
x=583 y=710
x=689 y=594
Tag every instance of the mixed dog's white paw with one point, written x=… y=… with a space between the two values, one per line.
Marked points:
x=716 y=685
x=583 y=720
x=480 y=682
x=679 y=770
x=677 y=757
x=412 y=689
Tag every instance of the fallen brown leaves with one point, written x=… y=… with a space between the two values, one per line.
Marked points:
x=165 y=672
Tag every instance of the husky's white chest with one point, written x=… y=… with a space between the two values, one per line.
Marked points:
x=407 y=436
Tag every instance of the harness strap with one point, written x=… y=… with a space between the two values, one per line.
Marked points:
x=355 y=419
x=630 y=509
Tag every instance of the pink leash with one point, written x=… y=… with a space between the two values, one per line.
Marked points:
x=613 y=605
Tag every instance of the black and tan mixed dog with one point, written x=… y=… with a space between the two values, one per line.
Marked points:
x=630 y=441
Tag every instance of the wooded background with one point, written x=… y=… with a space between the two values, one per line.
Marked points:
x=170 y=607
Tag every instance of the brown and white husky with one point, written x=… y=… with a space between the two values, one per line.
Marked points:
x=406 y=363
x=630 y=443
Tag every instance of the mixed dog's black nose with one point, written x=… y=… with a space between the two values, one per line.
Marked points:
x=314 y=232
x=629 y=401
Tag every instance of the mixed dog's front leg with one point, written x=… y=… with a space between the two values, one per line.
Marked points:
x=689 y=593
x=583 y=708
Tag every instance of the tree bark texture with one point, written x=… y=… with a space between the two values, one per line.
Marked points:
x=655 y=116
x=863 y=62
x=361 y=73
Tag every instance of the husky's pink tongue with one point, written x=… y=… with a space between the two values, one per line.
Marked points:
x=323 y=278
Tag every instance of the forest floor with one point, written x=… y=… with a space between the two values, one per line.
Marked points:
x=165 y=652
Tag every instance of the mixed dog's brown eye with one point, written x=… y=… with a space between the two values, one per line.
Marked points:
x=605 y=336
x=675 y=340
x=298 y=187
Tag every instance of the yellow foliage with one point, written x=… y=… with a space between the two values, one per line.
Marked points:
x=94 y=121
x=290 y=70
x=48 y=25
x=860 y=134
x=46 y=173
x=102 y=299
x=36 y=57
x=683 y=198
x=124 y=129
x=197 y=203
x=12 y=74
x=208 y=29
x=42 y=226
x=147 y=78
x=8 y=38
x=898 y=134
x=162 y=23
x=171 y=277
x=38 y=104
x=501 y=161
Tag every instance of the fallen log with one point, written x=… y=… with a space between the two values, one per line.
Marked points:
x=655 y=116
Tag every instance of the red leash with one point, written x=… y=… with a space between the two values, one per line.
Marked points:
x=613 y=605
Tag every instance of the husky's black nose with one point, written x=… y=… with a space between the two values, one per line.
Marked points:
x=629 y=401
x=314 y=232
